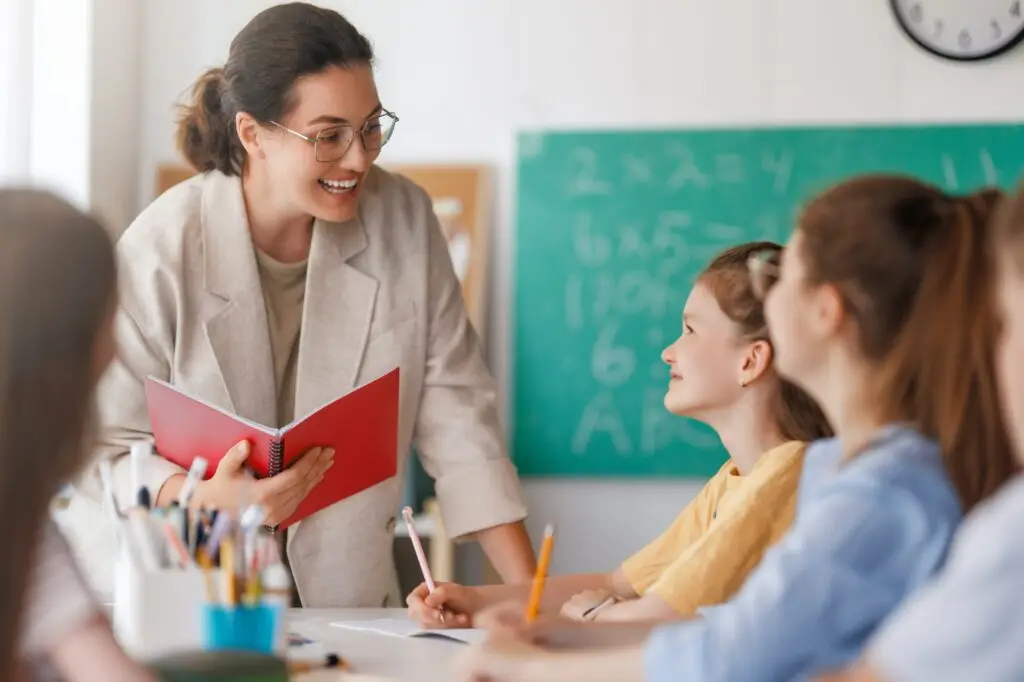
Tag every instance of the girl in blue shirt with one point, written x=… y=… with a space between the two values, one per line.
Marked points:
x=879 y=314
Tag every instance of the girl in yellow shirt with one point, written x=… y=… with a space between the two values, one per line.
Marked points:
x=720 y=372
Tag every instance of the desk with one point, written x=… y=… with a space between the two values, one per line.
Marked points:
x=401 y=660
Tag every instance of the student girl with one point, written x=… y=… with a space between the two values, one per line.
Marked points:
x=969 y=623
x=290 y=271
x=876 y=314
x=720 y=372
x=57 y=300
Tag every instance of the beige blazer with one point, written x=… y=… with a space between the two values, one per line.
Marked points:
x=381 y=291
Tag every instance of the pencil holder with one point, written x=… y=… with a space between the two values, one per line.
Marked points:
x=241 y=628
x=157 y=612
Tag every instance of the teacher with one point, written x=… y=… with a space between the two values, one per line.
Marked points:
x=290 y=271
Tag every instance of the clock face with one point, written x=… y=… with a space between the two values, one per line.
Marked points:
x=963 y=30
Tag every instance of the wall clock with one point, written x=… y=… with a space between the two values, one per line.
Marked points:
x=961 y=30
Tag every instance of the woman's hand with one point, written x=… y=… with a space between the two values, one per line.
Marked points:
x=231 y=486
x=457 y=602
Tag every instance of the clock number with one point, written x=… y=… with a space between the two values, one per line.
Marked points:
x=938 y=28
x=916 y=13
x=997 y=32
x=964 y=39
x=1015 y=9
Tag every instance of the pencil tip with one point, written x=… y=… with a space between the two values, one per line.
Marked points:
x=549 y=529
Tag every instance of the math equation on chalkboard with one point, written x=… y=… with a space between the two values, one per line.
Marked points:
x=611 y=229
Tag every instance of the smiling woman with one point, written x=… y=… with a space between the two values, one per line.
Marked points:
x=288 y=272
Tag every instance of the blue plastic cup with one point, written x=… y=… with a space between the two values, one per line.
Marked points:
x=240 y=628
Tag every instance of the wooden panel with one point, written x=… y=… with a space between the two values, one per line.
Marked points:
x=462 y=197
x=170 y=174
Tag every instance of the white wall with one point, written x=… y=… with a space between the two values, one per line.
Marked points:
x=463 y=75
x=69 y=101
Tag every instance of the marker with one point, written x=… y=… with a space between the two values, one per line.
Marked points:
x=140 y=452
x=195 y=475
x=330 y=661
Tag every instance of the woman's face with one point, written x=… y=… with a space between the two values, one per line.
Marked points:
x=324 y=103
x=706 y=361
x=789 y=309
x=1010 y=348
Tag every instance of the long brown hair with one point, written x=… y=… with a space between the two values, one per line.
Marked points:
x=57 y=284
x=913 y=268
x=727 y=277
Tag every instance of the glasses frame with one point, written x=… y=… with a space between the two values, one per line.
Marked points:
x=361 y=134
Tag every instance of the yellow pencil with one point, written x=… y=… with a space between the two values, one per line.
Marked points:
x=542 y=570
x=203 y=559
x=227 y=571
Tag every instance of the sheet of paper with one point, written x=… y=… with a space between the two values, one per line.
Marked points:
x=404 y=627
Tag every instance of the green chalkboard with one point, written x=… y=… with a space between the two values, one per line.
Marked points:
x=611 y=229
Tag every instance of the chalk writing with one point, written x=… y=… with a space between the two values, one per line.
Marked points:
x=586 y=180
x=638 y=170
x=611 y=365
x=631 y=242
x=779 y=164
x=600 y=416
x=951 y=173
x=591 y=246
x=686 y=171
x=607 y=295
x=988 y=167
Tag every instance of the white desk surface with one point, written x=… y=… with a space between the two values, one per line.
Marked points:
x=373 y=657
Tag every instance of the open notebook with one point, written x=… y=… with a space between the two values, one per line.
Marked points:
x=404 y=627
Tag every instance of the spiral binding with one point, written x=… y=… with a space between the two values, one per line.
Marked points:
x=276 y=463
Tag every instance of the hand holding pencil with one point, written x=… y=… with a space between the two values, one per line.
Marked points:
x=433 y=604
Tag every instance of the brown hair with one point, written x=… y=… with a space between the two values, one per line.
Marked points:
x=796 y=415
x=912 y=266
x=57 y=284
x=275 y=49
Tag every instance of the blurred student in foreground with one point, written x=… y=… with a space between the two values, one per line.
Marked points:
x=879 y=314
x=969 y=623
x=721 y=373
x=57 y=300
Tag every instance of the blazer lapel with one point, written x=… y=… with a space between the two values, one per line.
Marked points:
x=336 y=317
x=238 y=333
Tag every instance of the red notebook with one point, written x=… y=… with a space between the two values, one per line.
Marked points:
x=361 y=426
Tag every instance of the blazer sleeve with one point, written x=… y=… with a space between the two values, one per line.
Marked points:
x=121 y=397
x=457 y=433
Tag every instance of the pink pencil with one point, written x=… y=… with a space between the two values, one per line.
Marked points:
x=420 y=556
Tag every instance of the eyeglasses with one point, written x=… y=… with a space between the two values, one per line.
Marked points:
x=764 y=270
x=332 y=143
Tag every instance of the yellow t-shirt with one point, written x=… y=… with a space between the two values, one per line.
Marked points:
x=706 y=554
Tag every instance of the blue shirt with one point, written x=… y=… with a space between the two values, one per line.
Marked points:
x=867 y=533
x=968 y=624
